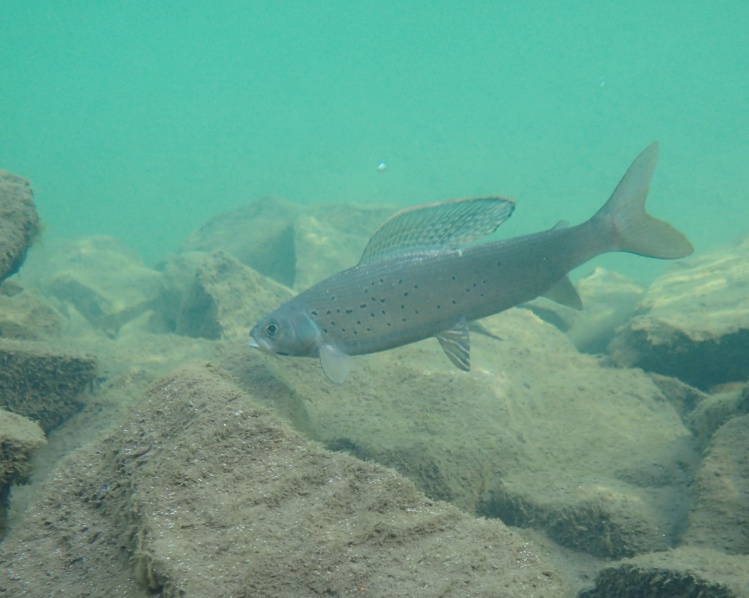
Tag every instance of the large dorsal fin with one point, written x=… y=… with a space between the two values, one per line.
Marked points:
x=448 y=224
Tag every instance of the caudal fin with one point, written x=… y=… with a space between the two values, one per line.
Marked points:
x=636 y=231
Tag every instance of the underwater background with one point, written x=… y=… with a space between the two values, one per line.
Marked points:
x=188 y=162
x=142 y=120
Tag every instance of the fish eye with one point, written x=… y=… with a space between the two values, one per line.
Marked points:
x=271 y=329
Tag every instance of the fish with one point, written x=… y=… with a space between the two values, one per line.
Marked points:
x=422 y=275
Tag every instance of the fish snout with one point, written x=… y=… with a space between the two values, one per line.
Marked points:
x=260 y=345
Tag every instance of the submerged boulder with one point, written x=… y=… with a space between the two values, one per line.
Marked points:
x=719 y=518
x=20 y=438
x=19 y=222
x=42 y=382
x=97 y=278
x=25 y=314
x=295 y=245
x=202 y=492
x=214 y=296
x=694 y=323
x=536 y=434
x=679 y=573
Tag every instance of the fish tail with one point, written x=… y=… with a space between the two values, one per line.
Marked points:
x=634 y=230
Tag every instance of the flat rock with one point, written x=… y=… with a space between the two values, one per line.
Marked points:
x=694 y=323
x=204 y=493
x=537 y=434
x=295 y=245
x=19 y=222
x=42 y=382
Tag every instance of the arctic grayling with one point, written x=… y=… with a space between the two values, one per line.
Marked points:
x=419 y=277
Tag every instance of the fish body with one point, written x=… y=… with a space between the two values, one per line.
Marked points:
x=419 y=276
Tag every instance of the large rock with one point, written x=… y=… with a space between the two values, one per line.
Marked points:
x=97 y=277
x=720 y=516
x=695 y=322
x=714 y=410
x=609 y=301
x=214 y=296
x=42 y=382
x=19 y=439
x=679 y=573
x=25 y=314
x=293 y=244
x=19 y=222
x=537 y=434
x=204 y=493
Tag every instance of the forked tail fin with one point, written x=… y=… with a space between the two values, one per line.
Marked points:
x=634 y=229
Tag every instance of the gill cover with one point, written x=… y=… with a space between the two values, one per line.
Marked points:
x=287 y=331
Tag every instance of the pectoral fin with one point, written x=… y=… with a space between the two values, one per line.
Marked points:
x=335 y=363
x=456 y=343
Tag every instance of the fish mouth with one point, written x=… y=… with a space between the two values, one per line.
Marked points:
x=263 y=346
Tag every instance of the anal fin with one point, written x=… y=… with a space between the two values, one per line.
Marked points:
x=456 y=343
x=564 y=292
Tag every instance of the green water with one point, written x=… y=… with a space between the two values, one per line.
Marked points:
x=142 y=120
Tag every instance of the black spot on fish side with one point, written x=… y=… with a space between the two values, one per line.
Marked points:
x=313 y=313
x=363 y=305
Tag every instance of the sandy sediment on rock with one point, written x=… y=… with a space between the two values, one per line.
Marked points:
x=204 y=493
